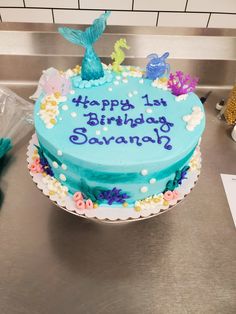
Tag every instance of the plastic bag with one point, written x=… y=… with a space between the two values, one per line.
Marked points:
x=16 y=119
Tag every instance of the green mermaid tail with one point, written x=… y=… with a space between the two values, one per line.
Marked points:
x=91 y=65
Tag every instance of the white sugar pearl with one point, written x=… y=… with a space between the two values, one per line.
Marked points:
x=105 y=128
x=135 y=92
x=141 y=81
x=144 y=172
x=55 y=164
x=125 y=81
x=62 y=177
x=98 y=132
x=149 y=110
x=64 y=167
x=59 y=153
x=64 y=107
x=118 y=77
x=152 y=181
x=144 y=189
x=110 y=89
x=73 y=114
x=130 y=94
x=72 y=92
x=116 y=83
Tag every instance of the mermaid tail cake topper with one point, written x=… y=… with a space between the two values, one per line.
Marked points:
x=91 y=65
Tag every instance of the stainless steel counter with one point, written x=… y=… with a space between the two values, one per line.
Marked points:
x=183 y=261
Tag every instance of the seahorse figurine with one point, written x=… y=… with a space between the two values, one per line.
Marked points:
x=118 y=55
x=91 y=64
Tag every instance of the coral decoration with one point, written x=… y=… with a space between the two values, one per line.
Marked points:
x=53 y=81
x=114 y=195
x=44 y=162
x=180 y=175
x=81 y=203
x=180 y=83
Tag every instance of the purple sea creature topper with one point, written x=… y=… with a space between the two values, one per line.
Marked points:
x=180 y=83
x=157 y=66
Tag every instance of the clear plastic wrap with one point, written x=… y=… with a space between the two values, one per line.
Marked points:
x=16 y=119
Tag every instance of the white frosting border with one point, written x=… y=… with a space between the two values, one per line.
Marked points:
x=112 y=214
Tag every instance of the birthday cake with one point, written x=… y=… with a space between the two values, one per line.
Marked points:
x=116 y=135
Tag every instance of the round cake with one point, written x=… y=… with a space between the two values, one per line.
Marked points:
x=114 y=135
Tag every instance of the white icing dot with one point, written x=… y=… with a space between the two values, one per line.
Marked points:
x=144 y=172
x=72 y=92
x=141 y=81
x=135 y=92
x=149 y=110
x=65 y=107
x=62 y=177
x=144 y=189
x=110 y=89
x=64 y=167
x=55 y=164
x=116 y=83
x=125 y=81
x=59 y=153
x=73 y=114
x=152 y=181
x=60 y=118
x=130 y=94
x=125 y=74
x=98 y=132
x=105 y=128
x=37 y=113
x=118 y=77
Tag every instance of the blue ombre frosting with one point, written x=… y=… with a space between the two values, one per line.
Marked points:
x=125 y=133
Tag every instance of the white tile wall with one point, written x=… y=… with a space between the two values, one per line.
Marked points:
x=223 y=20
x=183 y=19
x=132 y=18
x=52 y=3
x=160 y=5
x=228 y=6
x=175 y=13
x=26 y=15
x=11 y=3
x=106 y=4
x=75 y=16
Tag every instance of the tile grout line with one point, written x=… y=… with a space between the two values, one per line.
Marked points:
x=0 y=18
x=78 y=5
x=24 y=3
x=53 y=18
x=208 y=20
x=157 y=18
x=132 y=5
x=185 y=9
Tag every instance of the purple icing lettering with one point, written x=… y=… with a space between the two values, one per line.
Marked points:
x=114 y=103
x=166 y=126
x=108 y=140
x=94 y=103
x=147 y=100
x=129 y=120
x=163 y=102
x=135 y=139
x=163 y=137
x=151 y=120
x=93 y=118
x=79 y=101
x=146 y=139
x=102 y=121
x=105 y=103
x=79 y=137
x=119 y=121
x=94 y=140
x=126 y=105
x=139 y=120
x=121 y=139
x=109 y=120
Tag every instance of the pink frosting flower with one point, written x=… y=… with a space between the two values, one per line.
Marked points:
x=37 y=160
x=89 y=204
x=168 y=195
x=175 y=194
x=80 y=204
x=78 y=196
x=33 y=168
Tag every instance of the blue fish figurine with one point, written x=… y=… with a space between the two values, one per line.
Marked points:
x=157 y=66
x=91 y=64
